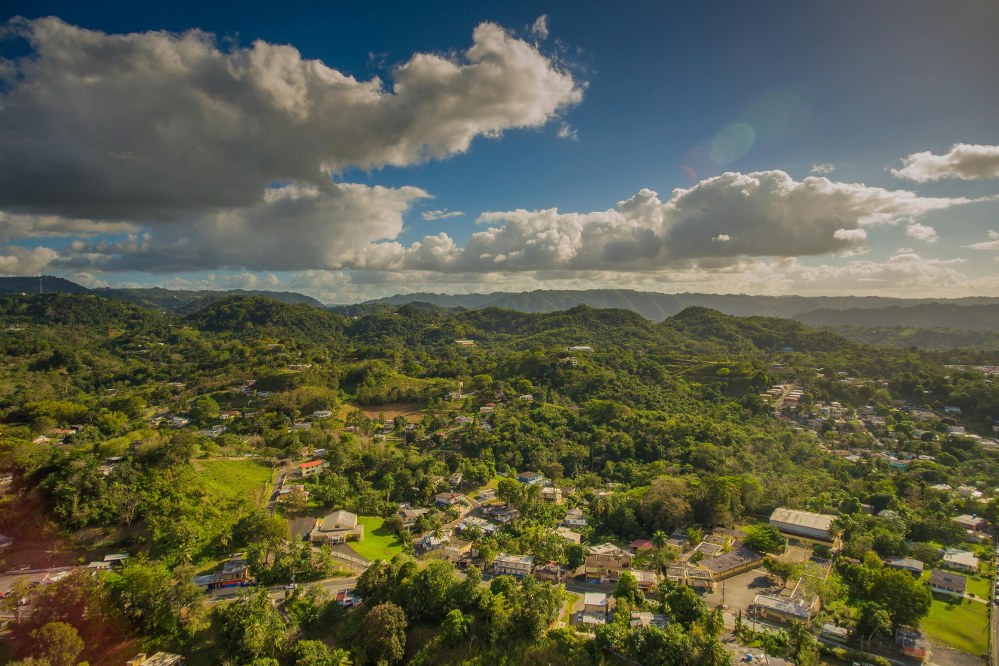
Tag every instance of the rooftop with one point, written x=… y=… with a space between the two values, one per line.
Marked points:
x=815 y=521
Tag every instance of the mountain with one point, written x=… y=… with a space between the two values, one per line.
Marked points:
x=184 y=302
x=258 y=316
x=924 y=315
x=46 y=284
x=657 y=306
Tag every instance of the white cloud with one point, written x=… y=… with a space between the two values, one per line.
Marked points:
x=822 y=168
x=765 y=214
x=17 y=260
x=539 y=28
x=441 y=214
x=567 y=131
x=991 y=244
x=964 y=161
x=922 y=232
x=154 y=125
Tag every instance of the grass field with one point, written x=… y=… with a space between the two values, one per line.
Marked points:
x=570 y=604
x=979 y=586
x=379 y=543
x=958 y=623
x=235 y=479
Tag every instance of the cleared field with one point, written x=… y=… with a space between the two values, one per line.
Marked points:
x=379 y=543
x=958 y=623
x=390 y=410
x=235 y=479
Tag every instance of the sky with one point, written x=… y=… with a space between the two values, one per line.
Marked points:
x=356 y=150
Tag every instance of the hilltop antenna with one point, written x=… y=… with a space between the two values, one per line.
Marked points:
x=40 y=290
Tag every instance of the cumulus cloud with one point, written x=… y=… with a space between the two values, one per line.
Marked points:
x=567 y=131
x=715 y=222
x=539 y=28
x=823 y=168
x=922 y=232
x=964 y=161
x=441 y=214
x=152 y=125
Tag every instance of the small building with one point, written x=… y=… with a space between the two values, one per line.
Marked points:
x=769 y=607
x=909 y=564
x=569 y=535
x=338 y=527
x=156 y=659
x=312 y=467
x=465 y=343
x=647 y=580
x=410 y=516
x=594 y=608
x=517 y=566
x=574 y=517
x=322 y=414
x=447 y=499
x=960 y=559
x=551 y=494
x=228 y=414
x=116 y=560
x=648 y=619
x=455 y=479
x=640 y=545
x=946 y=582
x=913 y=643
x=530 y=478
x=804 y=525
x=457 y=549
x=971 y=523
x=551 y=572
x=579 y=348
x=502 y=513
x=430 y=542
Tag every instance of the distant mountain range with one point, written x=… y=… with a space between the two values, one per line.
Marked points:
x=657 y=307
x=175 y=300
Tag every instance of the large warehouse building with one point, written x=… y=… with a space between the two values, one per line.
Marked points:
x=805 y=526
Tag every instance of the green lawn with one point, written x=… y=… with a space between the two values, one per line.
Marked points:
x=961 y=624
x=570 y=603
x=379 y=543
x=979 y=586
x=235 y=479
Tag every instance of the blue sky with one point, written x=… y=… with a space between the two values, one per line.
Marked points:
x=821 y=148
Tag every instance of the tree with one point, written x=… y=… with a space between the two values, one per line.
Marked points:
x=456 y=627
x=250 y=627
x=57 y=643
x=315 y=653
x=694 y=536
x=779 y=570
x=15 y=597
x=384 y=635
x=575 y=556
x=628 y=590
x=681 y=603
x=203 y=408
x=765 y=538
x=904 y=598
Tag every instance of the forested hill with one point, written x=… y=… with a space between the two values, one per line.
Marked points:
x=656 y=306
x=46 y=284
x=983 y=317
x=185 y=302
x=257 y=316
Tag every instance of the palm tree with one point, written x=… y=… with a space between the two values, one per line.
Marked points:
x=659 y=539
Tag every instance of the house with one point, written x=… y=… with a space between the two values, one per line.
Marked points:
x=338 y=527
x=455 y=479
x=913 y=643
x=465 y=343
x=502 y=513
x=805 y=526
x=640 y=544
x=487 y=494
x=551 y=572
x=971 y=523
x=116 y=559
x=942 y=487
x=517 y=566
x=228 y=414
x=768 y=607
x=604 y=549
x=552 y=495
x=234 y=573
x=569 y=535
x=574 y=518
x=648 y=581
x=447 y=499
x=410 y=516
x=649 y=619
x=909 y=564
x=312 y=467
x=530 y=478
x=457 y=549
x=527 y=397
x=429 y=542
x=487 y=409
x=606 y=568
x=322 y=414
x=579 y=348
x=157 y=659
x=946 y=582
x=960 y=559
x=464 y=420
x=594 y=608
x=952 y=409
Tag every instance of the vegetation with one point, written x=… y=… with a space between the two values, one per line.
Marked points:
x=160 y=434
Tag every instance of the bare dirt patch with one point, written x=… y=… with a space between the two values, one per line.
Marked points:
x=390 y=410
